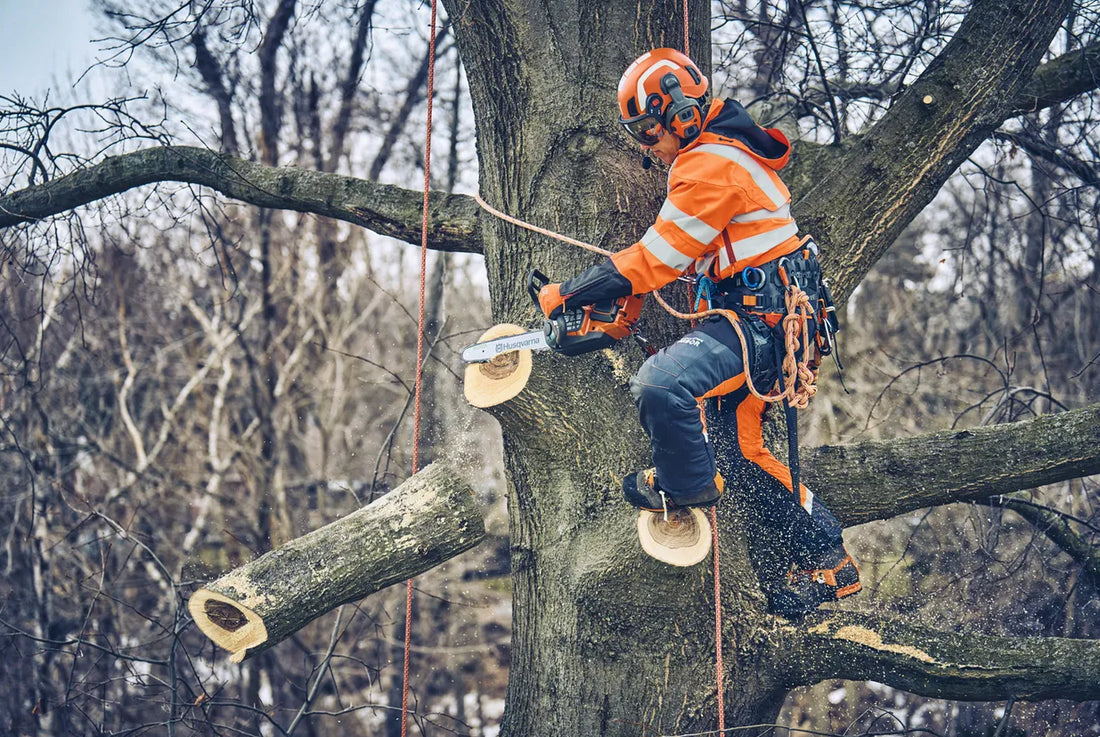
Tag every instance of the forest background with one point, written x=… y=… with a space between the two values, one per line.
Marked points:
x=169 y=410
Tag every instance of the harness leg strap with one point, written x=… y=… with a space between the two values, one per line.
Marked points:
x=791 y=414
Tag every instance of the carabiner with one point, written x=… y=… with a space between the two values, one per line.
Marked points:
x=783 y=265
x=753 y=278
x=705 y=289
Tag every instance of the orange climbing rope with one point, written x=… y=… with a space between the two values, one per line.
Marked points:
x=718 y=674
x=419 y=354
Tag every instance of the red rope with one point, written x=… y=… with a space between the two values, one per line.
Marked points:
x=419 y=353
x=424 y=248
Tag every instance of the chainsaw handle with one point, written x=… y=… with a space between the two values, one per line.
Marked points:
x=536 y=280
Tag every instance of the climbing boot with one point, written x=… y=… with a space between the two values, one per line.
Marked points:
x=805 y=590
x=643 y=491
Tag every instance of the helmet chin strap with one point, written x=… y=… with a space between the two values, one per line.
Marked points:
x=648 y=161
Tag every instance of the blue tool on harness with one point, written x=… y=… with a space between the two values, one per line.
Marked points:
x=705 y=289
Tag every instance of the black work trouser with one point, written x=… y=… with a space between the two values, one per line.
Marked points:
x=708 y=362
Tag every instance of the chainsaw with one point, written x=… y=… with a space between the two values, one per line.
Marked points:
x=571 y=333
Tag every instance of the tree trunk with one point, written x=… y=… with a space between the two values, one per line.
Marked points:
x=605 y=640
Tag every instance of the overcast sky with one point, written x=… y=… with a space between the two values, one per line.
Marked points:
x=43 y=43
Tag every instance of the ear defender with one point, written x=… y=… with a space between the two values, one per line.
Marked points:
x=682 y=116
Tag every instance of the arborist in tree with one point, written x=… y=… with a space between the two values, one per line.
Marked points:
x=726 y=223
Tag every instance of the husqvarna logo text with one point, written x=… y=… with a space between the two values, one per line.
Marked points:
x=528 y=343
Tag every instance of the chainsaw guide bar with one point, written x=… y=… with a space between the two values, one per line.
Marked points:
x=490 y=349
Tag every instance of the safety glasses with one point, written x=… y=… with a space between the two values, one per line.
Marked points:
x=642 y=128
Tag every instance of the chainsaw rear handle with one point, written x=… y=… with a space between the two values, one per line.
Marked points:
x=594 y=326
x=536 y=280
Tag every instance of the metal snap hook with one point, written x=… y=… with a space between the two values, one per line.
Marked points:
x=785 y=265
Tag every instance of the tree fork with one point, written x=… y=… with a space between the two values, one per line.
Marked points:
x=425 y=521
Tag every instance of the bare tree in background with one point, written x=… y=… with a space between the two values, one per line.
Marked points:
x=199 y=381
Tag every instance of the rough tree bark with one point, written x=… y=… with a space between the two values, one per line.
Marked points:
x=607 y=641
x=383 y=208
x=879 y=480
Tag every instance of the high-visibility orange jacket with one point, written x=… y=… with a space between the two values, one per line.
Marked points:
x=726 y=209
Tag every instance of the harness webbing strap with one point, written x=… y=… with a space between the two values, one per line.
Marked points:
x=791 y=414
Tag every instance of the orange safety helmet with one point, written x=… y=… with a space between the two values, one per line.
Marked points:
x=662 y=87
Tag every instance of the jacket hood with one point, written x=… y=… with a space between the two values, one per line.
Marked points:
x=728 y=121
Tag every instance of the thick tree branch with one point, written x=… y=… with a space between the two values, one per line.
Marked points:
x=879 y=480
x=950 y=665
x=1060 y=79
x=385 y=209
x=857 y=196
x=427 y=520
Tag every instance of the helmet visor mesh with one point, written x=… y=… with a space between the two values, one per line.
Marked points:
x=642 y=128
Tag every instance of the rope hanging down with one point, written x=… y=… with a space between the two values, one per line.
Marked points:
x=419 y=353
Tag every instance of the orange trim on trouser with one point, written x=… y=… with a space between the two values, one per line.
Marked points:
x=727 y=386
x=750 y=438
x=827 y=576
